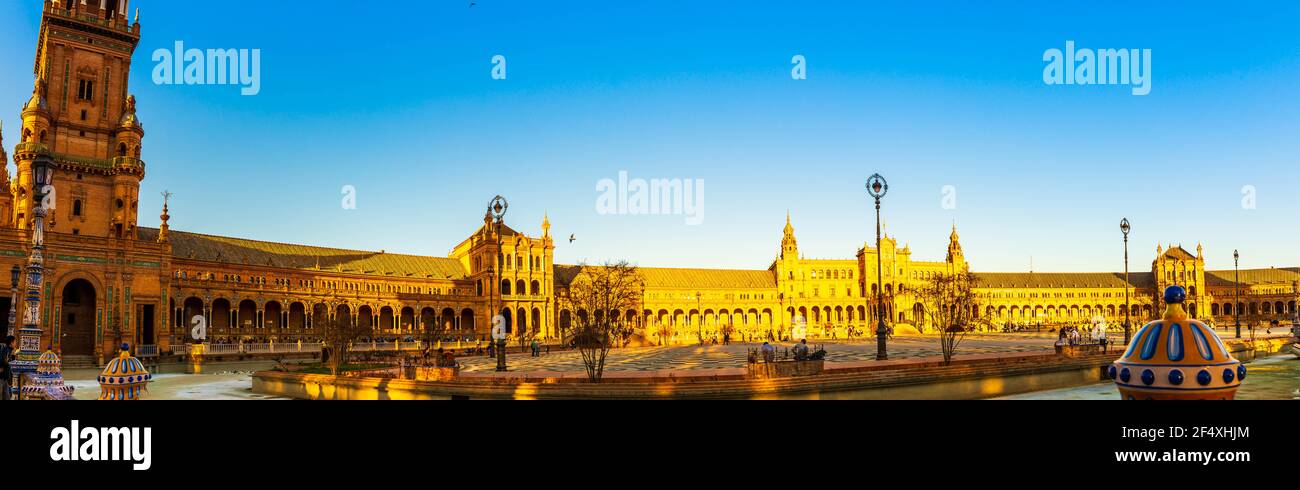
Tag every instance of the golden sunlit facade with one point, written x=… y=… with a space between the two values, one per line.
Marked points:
x=110 y=281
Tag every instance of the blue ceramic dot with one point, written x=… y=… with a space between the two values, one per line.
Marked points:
x=1176 y=377
x=1148 y=377
x=1112 y=372
x=1241 y=372
x=1228 y=375
x=1204 y=377
x=1124 y=375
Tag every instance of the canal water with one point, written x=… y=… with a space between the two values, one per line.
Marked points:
x=1270 y=378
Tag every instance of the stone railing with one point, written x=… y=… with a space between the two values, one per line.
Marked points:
x=387 y=346
x=128 y=162
x=146 y=351
x=524 y=297
x=113 y=23
x=31 y=147
x=233 y=349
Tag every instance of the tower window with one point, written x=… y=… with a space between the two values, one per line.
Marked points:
x=76 y=207
x=83 y=114
x=85 y=90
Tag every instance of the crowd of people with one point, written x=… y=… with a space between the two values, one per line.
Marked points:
x=1073 y=335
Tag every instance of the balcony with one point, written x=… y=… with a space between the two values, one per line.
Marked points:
x=129 y=163
x=113 y=24
x=524 y=297
x=31 y=147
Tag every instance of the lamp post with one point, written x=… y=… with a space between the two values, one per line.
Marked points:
x=497 y=211
x=699 y=322
x=1125 y=228
x=13 y=298
x=29 y=344
x=1236 y=287
x=877 y=187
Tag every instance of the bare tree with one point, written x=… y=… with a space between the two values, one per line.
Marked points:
x=614 y=286
x=339 y=336
x=953 y=308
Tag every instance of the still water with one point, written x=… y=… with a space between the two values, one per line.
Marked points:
x=1272 y=378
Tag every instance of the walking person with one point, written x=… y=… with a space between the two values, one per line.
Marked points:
x=6 y=353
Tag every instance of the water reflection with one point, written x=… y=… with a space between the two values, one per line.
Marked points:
x=1272 y=378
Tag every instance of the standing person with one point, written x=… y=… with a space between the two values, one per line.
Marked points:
x=6 y=353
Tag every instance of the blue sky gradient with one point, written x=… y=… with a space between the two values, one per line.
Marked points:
x=398 y=101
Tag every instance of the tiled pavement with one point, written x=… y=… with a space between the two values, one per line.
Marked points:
x=734 y=356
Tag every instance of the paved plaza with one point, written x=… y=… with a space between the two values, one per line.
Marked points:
x=734 y=355
x=223 y=386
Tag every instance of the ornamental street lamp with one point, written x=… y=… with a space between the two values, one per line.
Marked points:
x=699 y=325
x=1236 y=287
x=1125 y=228
x=14 y=274
x=29 y=346
x=497 y=212
x=877 y=187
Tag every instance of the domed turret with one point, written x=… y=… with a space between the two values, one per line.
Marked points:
x=129 y=119
x=37 y=102
x=123 y=378
x=1177 y=358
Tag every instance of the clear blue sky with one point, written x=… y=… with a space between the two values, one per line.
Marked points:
x=398 y=101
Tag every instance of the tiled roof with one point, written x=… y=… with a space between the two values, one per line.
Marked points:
x=1253 y=276
x=1062 y=279
x=689 y=278
x=239 y=251
x=1179 y=253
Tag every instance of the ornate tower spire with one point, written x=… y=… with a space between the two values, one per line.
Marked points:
x=955 y=255
x=789 y=246
x=163 y=228
x=546 y=225
x=6 y=198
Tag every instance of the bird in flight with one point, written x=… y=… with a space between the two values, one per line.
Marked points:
x=572 y=238
x=472 y=4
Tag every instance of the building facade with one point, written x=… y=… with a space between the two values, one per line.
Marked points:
x=110 y=281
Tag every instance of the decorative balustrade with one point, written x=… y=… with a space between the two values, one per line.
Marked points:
x=282 y=348
x=111 y=23
x=31 y=147
x=387 y=346
x=146 y=351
